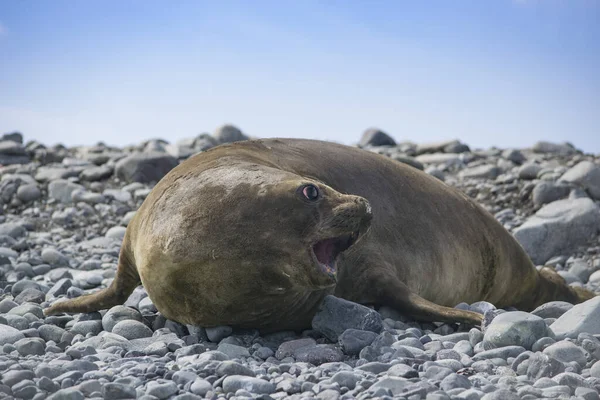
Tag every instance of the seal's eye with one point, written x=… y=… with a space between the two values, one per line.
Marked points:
x=310 y=192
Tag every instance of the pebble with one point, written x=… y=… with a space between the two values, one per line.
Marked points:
x=29 y=193
x=117 y=314
x=30 y=346
x=9 y=335
x=54 y=257
x=233 y=351
x=144 y=167
x=354 y=340
x=558 y=227
x=565 y=352
x=116 y=232
x=86 y=327
x=587 y=175
x=516 y=328
x=162 y=390
x=583 y=317
x=233 y=383
x=132 y=329
x=319 y=354
x=200 y=387
x=553 y=309
x=335 y=315
x=67 y=394
x=214 y=334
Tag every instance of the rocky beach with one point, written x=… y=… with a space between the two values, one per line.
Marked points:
x=63 y=215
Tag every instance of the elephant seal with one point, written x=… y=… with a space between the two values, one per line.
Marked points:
x=255 y=234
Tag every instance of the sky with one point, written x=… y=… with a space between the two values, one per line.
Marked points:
x=503 y=73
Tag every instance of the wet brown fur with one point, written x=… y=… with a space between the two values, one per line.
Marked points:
x=223 y=239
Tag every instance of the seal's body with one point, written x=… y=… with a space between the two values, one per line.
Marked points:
x=255 y=234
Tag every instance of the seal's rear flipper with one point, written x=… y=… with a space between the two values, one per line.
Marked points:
x=583 y=294
x=396 y=294
x=550 y=286
x=125 y=281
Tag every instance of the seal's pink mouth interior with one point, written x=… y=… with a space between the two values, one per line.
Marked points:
x=327 y=250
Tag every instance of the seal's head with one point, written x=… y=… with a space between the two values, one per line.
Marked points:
x=333 y=223
x=235 y=235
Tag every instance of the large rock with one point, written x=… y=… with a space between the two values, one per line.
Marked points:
x=546 y=192
x=515 y=328
x=566 y=352
x=117 y=314
x=514 y=155
x=529 y=171
x=354 y=340
x=552 y=309
x=62 y=190
x=44 y=174
x=13 y=136
x=229 y=134
x=376 y=137
x=439 y=158
x=554 y=148
x=543 y=366
x=335 y=315
x=447 y=146
x=583 y=317
x=145 y=167
x=486 y=171
x=9 y=335
x=558 y=228
x=582 y=270
x=188 y=147
x=12 y=229
x=12 y=153
x=94 y=174
x=587 y=175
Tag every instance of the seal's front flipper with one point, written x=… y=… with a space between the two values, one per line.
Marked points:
x=396 y=294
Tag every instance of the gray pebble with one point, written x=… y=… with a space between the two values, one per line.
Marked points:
x=9 y=335
x=28 y=193
x=67 y=394
x=553 y=309
x=54 y=257
x=233 y=383
x=218 y=333
x=501 y=394
x=132 y=329
x=233 y=368
x=117 y=314
x=86 y=327
x=118 y=391
x=354 y=340
x=200 y=387
x=565 y=351
x=30 y=346
x=233 y=351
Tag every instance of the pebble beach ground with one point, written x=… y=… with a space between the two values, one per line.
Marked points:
x=63 y=215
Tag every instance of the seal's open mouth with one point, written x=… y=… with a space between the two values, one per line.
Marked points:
x=327 y=250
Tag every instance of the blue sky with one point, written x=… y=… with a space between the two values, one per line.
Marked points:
x=494 y=72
